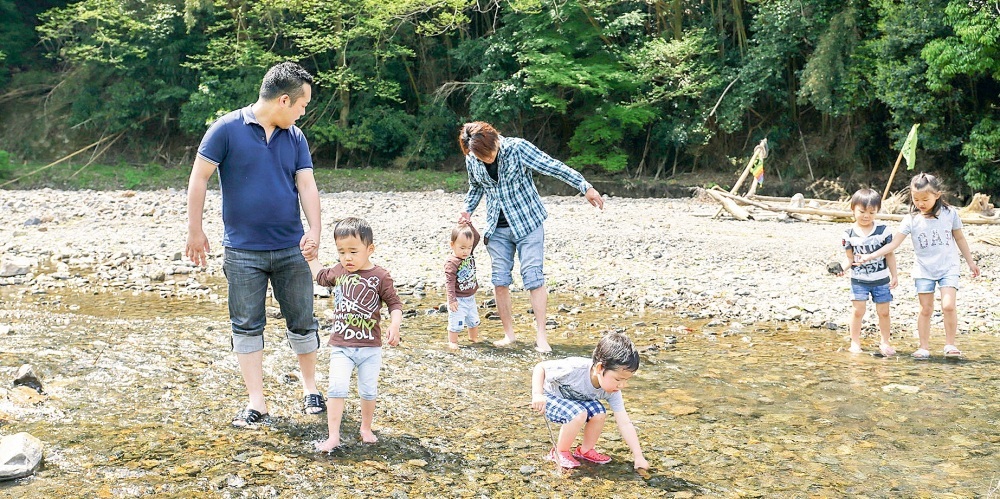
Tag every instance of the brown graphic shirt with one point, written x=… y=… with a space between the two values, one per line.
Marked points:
x=460 y=274
x=358 y=298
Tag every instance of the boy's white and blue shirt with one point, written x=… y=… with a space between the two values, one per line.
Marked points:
x=875 y=272
x=515 y=192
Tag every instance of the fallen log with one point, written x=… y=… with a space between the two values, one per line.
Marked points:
x=774 y=199
x=729 y=205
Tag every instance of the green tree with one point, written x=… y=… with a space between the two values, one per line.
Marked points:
x=122 y=62
x=967 y=63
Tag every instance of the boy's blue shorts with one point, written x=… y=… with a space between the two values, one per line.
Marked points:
x=879 y=292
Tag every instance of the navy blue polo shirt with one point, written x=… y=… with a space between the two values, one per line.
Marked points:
x=260 y=203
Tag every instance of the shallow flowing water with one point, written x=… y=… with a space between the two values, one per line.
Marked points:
x=139 y=391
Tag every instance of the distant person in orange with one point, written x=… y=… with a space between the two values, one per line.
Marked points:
x=500 y=168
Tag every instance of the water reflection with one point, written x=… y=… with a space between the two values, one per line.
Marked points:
x=140 y=389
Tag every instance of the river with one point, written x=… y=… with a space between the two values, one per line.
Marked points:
x=139 y=391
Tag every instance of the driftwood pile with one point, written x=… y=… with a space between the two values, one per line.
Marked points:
x=979 y=211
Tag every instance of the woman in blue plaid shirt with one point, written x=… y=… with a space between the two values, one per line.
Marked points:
x=500 y=167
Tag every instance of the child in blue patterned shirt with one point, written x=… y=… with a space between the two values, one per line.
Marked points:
x=874 y=278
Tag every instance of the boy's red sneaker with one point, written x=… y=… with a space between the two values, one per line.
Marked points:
x=592 y=455
x=565 y=459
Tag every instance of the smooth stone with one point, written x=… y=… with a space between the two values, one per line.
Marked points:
x=20 y=455
x=15 y=266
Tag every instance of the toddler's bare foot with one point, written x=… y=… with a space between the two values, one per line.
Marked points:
x=543 y=346
x=368 y=437
x=452 y=345
x=474 y=337
x=504 y=342
x=328 y=444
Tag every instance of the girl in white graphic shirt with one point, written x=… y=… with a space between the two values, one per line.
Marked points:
x=937 y=231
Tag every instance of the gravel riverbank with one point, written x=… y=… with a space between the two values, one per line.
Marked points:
x=660 y=253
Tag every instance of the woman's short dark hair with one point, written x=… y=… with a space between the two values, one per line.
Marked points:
x=354 y=227
x=478 y=137
x=615 y=351
x=284 y=78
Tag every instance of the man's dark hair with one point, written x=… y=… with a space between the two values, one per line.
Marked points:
x=616 y=351
x=284 y=78
x=354 y=227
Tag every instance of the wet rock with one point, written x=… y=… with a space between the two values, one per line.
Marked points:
x=682 y=410
x=26 y=377
x=20 y=455
x=527 y=469
x=321 y=291
x=900 y=388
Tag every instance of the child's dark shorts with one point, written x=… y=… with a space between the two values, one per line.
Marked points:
x=562 y=411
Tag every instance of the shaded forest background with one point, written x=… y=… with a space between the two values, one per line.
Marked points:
x=640 y=90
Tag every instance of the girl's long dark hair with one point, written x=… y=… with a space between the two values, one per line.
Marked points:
x=927 y=182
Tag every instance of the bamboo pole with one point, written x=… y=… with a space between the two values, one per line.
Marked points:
x=50 y=165
x=743 y=176
x=888 y=184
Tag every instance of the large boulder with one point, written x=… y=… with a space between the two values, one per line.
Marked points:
x=14 y=266
x=20 y=456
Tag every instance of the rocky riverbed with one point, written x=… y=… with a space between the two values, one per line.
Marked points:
x=745 y=388
x=660 y=253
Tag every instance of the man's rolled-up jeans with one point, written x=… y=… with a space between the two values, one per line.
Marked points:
x=248 y=273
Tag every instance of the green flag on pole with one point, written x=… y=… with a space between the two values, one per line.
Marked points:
x=910 y=148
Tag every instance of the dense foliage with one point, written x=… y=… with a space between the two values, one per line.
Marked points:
x=642 y=88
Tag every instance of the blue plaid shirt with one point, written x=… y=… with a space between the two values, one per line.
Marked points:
x=516 y=193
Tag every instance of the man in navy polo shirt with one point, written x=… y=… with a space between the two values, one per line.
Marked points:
x=265 y=173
